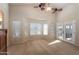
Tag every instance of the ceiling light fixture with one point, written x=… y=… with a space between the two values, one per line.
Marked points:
x=48 y=8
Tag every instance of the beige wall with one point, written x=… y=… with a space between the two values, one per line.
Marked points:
x=25 y=13
x=69 y=13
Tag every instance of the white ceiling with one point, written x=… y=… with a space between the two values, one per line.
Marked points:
x=58 y=5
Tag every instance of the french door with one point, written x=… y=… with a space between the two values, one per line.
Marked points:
x=66 y=31
x=70 y=31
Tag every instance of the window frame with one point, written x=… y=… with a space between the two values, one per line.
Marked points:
x=42 y=28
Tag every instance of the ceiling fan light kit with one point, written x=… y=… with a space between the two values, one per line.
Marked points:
x=46 y=7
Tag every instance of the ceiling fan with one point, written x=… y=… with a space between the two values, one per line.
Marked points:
x=43 y=7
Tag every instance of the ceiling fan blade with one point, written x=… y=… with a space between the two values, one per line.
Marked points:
x=54 y=8
x=42 y=9
x=59 y=9
x=35 y=6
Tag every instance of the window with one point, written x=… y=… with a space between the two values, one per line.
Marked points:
x=38 y=29
x=35 y=29
x=60 y=32
x=16 y=28
x=45 y=29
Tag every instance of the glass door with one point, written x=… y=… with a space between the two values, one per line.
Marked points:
x=66 y=31
x=69 y=32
